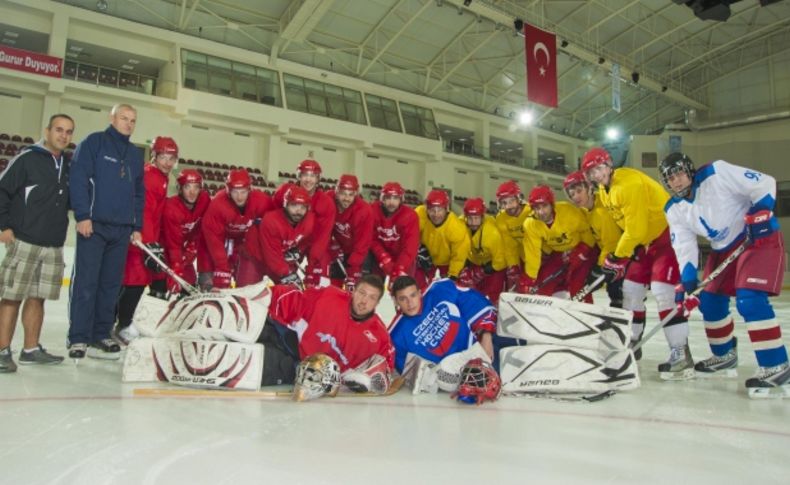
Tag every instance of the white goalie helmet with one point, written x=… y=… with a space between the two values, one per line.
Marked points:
x=317 y=375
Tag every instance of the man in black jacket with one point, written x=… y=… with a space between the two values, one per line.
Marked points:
x=34 y=198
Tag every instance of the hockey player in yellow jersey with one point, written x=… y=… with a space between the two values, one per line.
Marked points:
x=444 y=240
x=643 y=255
x=559 y=248
x=510 y=221
x=605 y=231
x=485 y=268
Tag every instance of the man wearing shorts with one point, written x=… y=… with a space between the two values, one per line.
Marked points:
x=34 y=199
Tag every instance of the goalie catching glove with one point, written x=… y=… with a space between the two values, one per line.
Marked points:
x=316 y=376
x=479 y=383
x=371 y=376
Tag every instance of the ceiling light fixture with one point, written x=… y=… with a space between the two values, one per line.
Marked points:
x=102 y=5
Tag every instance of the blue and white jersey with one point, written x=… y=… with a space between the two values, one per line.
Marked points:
x=446 y=324
x=721 y=195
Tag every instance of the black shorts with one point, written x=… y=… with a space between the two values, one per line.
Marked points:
x=280 y=356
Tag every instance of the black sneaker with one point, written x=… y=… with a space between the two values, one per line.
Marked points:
x=39 y=356
x=7 y=364
x=106 y=349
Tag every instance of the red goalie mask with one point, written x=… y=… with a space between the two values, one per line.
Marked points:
x=479 y=383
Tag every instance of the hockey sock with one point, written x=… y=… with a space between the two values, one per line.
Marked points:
x=30 y=351
x=638 y=324
x=720 y=335
x=764 y=330
x=676 y=330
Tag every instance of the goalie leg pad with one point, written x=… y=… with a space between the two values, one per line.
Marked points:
x=196 y=363
x=558 y=369
x=149 y=313
x=548 y=320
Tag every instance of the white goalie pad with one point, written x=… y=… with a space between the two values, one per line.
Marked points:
x=428 y=377
x=548 y=320
x=205 y=316
x=194 y=363
x=559 y=369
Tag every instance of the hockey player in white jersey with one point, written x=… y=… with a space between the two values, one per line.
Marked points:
x=725 y=204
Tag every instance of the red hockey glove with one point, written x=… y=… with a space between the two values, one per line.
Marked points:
x=614 y=268
x=512 y=274
x=466 y=277
x=527 y=285
x=385 y=263
x=686 y=303
x=312 y=277
x=221 y=279
x=352 y=276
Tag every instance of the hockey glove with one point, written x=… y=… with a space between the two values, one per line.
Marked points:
x=385 y=263
x=527 y=285
x=512 y=274
x=594 y=275
x=291 y=279
x=686 y=304
x=466 y=277
x=312 y=277
x=149 y=262
x=221 y=279
x=424 y=260
x=760 y=225
x=488 y=268
x=292 y=255
x=352 y=277
x=614 y=268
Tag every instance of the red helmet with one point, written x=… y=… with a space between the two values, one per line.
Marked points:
x=309 y=165
x=509 y=189
x=594 y=157
x=574 y=178
x=348 y=182
x=474 y=207
x=392 y=189
x=479 y=383
x=238 y=179
x=541 y=194
x=189 y=176
x=164 y=144
x=296 y=194
x=437 y=197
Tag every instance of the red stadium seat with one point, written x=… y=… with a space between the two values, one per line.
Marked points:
x=16 y=138
x=29 y=140
x=4 y=136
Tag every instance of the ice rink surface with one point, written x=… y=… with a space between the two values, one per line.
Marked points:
x=79 y=424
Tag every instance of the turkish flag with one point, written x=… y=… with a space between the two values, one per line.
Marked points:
x=541 y=51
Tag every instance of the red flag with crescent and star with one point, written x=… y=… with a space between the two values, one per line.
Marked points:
x=541 y=52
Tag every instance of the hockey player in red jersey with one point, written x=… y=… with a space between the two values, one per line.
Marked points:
x=309 y=173
x=139 y=270
x=396 y=234
x=342 y=325
x=351 y=235
x=181 y=235
x=485 y=268
x=226 y=224
x=284 y=237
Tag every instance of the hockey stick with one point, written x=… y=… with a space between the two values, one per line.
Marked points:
x=395 y=386
x=167 y=269
x=588 y=289
x=564 y=397
x=713 y=274
x=548 y=279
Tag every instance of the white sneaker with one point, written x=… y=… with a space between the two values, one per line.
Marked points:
x=127 y=334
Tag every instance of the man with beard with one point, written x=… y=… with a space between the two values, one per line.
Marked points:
x=396 y=234
x=352 y=233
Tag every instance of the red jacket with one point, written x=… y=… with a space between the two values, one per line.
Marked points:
x=135 y=273
x=396 y=236
x=324 y=209
x=353 y=232
x=321 y=318
x=224 y=222
x=181 y=235
x=276 y=237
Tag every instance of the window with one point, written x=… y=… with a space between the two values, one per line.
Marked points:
x=383 y=113
x=419 y=121
x=229 y=78
x=782 y=208
x=323 y=99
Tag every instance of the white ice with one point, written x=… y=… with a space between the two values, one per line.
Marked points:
x=79 y=424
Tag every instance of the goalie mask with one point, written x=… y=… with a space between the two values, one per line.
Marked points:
x=479 y=382
x=317 y=375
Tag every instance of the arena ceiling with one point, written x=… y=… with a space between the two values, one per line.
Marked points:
x=470 y=55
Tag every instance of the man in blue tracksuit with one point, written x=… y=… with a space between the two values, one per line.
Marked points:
x=107 y=193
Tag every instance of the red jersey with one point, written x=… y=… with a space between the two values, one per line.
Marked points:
x=353 y=232
x=225 y=226
x=321 y=318
x=396 y=235
x=281 y=245
x=181 y=235
x=324 y=210
x=135 y=273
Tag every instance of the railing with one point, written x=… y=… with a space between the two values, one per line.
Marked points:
x=503 y=157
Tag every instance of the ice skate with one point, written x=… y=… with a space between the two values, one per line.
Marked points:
x=770 y=382
x=679 y=367
x=720 y=365
x=77 y=352
x=105 y=349
x=7 y=364
x=40 y=356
